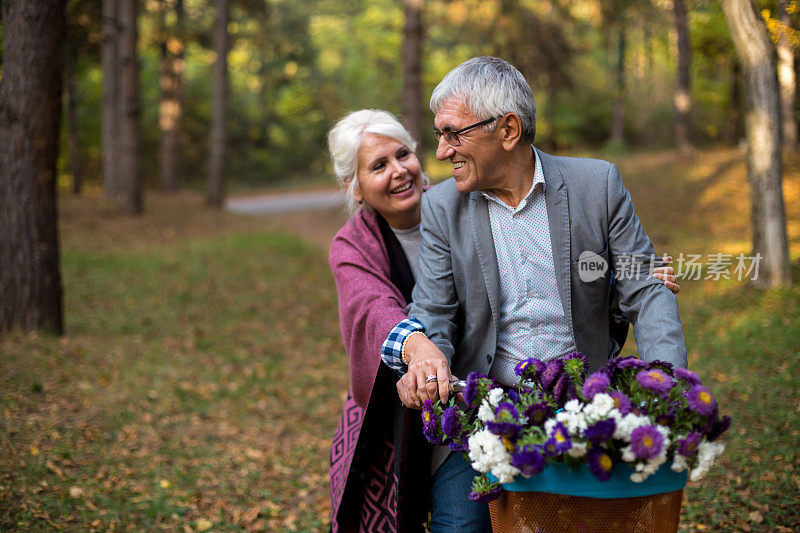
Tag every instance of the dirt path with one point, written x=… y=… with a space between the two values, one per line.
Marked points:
x=315 y=216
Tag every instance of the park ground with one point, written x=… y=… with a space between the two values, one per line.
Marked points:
x=201 y=374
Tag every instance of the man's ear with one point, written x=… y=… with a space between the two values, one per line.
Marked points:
x=510 y=128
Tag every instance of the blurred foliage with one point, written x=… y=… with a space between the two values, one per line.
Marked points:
x=296 y=66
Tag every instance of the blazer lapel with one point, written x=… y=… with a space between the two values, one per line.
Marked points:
x=557 y=202
x=484 y=243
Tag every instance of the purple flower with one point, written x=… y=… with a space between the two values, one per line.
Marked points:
x=600 y=463
x=687 y=375
x=662 y=365
x=451 y=422
x=559 y=441
x=595 y=384
x=513 y=396
x=601 y=431
x=529 y=460
x=506 y=421
x=621 y=402
x=575 y=362
x=564 y=389
x=666 y=419
x=701 y=401
x=473 y=388
x=655 y=380
x=538 y=413
x=429 y=423
x=718 y=427
x=687 y=447
x=458 y=446
x=529 y=368
x=631 y=362
x=486 y=496
x=552 y=371
x=646 y=442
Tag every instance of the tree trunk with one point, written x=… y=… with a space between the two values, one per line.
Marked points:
x=683 y=93
x=412 y=58
x=121 y=130
x=109 y=55
x=73 y=132
x=618 y=125
x=171 y=108
x=215 y=191
x=130 y=197
x=30 y=112
x=762 y=125
x=786 y=77
x=733 y=129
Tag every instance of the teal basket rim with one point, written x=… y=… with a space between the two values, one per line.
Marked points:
x=559 y=478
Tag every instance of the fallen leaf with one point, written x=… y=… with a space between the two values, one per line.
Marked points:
x=75 y=492
x=51 y=466
x=756 y=517
x=203 y=524
x=253 y=454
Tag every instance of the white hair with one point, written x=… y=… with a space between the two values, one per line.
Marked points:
x=489 y=87
x=345 y=138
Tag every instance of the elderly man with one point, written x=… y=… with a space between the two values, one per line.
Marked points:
x=516 y=259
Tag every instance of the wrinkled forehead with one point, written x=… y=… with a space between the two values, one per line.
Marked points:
x=453 y=115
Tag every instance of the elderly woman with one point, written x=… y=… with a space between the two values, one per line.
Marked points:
x=380 y=463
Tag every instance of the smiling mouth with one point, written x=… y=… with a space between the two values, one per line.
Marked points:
x=458 y=164
x=402 y=188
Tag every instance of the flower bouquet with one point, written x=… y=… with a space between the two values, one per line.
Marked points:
x=630 y=430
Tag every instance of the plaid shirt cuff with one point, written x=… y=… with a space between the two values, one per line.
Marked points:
x=391 y=351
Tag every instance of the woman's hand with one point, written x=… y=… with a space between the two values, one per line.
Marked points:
x=428 y=376
x=667 y=274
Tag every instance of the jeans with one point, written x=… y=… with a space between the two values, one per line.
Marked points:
x=453 y=511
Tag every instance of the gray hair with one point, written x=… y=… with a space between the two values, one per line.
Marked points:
x=489 y=87
x=345 y=138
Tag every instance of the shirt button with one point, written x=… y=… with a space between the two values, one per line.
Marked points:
x=531 y=294
x=524 y=256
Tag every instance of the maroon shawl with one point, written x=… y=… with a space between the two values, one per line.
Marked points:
x=378 y=459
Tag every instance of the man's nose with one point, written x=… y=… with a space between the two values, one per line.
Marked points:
x=443 y=149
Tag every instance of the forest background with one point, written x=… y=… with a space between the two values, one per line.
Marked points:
x=296 y=66
x=173 y=396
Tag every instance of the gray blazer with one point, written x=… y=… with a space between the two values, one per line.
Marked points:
x=588 y=209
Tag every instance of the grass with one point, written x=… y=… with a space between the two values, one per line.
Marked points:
x=201 y=375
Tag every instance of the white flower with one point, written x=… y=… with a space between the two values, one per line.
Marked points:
x=488 y=453
x=638 y=477
x=707 y=453
x=574 y=422
x=679 y=463
x=627 y=454
x=601 y=407
x=505 y=472
x=485 y=412
x=495 y=396
x=626 y=425
x=577 y=450
x=573 y=406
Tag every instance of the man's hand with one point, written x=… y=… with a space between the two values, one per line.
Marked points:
x=428 y=376
x=667 y=274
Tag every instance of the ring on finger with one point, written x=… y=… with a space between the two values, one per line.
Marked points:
x=431 y=378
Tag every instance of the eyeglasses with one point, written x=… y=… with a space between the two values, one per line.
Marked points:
x=452 y=136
